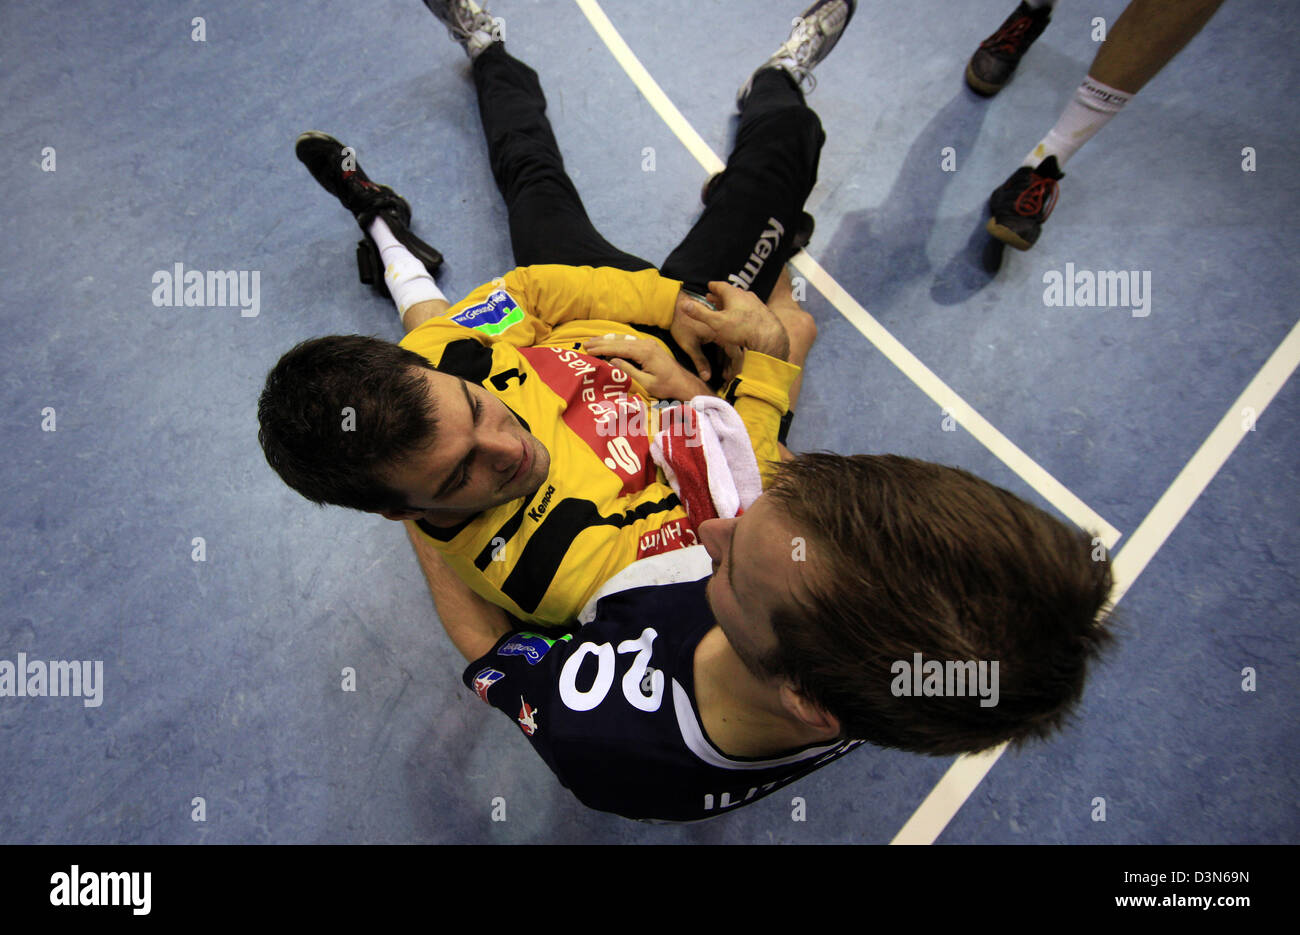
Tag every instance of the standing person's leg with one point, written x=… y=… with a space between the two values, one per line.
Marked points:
x=1143 y=40
x=1145 y=37
x=754 y=208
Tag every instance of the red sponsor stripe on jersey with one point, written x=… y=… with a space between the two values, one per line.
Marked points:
x=600 y=410
x=676 y=534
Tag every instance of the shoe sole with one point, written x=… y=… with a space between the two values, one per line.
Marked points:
x=317 y=136
x=834 y=40
x=978 y=85
x=313 y=136
x=458 y=32
x=1006 y=235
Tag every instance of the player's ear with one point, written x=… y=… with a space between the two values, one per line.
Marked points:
x=401 y=515
x=808 y=712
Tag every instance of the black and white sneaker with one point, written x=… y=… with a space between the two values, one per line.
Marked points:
x=469 y=23
x=336 y=168
x=814 y=35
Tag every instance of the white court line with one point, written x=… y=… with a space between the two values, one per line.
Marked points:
x=650 y=88
x=1052 y=490
x=966 y=773
x=951 y=792
x=1205 y=464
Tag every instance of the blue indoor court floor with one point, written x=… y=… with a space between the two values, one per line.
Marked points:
x=133 y=147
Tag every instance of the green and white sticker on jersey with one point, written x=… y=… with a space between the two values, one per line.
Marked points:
x=493 y=315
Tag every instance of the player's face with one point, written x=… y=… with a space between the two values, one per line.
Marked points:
x=482 y=456
x=758 y=566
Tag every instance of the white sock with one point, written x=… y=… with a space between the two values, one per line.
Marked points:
x=478 y=42
x=1089 y=110
x=407 y=280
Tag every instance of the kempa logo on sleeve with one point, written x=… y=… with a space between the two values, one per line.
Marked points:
x=57 y=678
x=213 y=288
x=102 y=889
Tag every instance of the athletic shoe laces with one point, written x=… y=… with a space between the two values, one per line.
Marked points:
x=1010 y=39
x=1031 y=200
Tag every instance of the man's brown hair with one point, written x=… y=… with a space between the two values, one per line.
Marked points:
x=338 y=411
x=912 y=557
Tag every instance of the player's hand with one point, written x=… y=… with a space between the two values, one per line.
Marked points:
x=742 y=319
x=690 y=334
x=734 y=355
x=646 y=361
x=799 y=325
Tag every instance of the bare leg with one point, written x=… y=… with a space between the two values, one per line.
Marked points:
x=1143 y=40
x=1145 y=37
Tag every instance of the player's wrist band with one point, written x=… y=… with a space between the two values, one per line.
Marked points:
x=703 y=300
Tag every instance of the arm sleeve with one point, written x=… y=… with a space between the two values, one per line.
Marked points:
x=519 y=677
x=761 y=395
x=529 y=662
x=523 y=306
x=557 y=294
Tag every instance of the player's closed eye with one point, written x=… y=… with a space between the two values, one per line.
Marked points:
x=469 y=461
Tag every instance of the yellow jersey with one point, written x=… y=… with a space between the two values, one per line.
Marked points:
x=604 y=504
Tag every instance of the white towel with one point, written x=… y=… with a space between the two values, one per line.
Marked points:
x=718 y=433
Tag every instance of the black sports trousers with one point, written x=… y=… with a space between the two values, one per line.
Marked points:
x=744 y=232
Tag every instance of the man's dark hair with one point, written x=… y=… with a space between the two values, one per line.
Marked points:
x=911 y=557
x=328 y=453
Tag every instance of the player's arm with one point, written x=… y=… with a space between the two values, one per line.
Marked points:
x=472 y=624
x=760 y=391
x=556 y=294
x=799 y=325
x=648 y=362
x=765 y=385
x=521 y=307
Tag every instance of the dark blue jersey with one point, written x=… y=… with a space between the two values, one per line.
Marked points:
x=611 y=707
